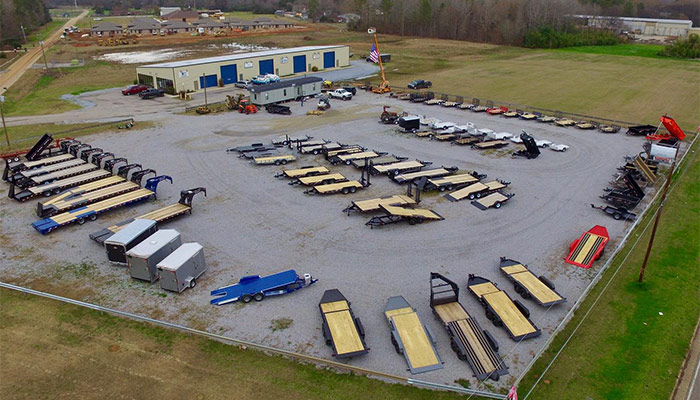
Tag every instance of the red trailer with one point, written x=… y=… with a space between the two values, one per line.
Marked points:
x=586 y=249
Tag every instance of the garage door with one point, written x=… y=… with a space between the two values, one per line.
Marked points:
x=229 y=73
x=299 y=64
x=210 y=81
x=329 y=59
x=267 y=67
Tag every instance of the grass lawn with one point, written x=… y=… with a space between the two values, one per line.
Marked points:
x=626 y=349
x=42 y=32
x=87 y=354
x=629 y=49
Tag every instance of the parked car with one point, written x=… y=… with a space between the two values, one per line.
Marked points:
x=242 y=84
x=558 y=147
x=340 y=94
x=420 y=84
x=151 y=93
x=134 y=89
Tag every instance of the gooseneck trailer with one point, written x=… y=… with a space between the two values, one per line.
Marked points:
x=57 y=186
x=255 y=287
x=341 y=329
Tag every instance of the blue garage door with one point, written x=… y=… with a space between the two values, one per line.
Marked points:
x=299 y=64
x=229 y=73
x=267 y=67
x=329 y=59
x=210 y=81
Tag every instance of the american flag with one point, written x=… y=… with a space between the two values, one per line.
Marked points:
x=374 y=54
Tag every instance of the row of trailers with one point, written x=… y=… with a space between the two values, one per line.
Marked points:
x=78 y=182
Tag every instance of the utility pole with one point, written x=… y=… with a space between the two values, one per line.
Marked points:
x=46 y=64
x=656 y=222
x=23 y=34
x=2 y=115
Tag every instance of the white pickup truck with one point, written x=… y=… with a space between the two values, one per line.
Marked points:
x=340 y=94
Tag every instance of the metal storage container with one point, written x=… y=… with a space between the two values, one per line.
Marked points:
x=121 y=242
x=182 y=267
x=144 y=258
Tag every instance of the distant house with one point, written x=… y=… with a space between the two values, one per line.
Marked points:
x=143 y=26
x=106 y=29
x=176 y=26
x=348 y=17
x=182 y=15
x=209 y=25
x=168 y=10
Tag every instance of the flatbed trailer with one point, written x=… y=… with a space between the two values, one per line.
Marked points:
x=160 y=215
x=341 y=329
x=428 y=173
x=451 y=182
x=317 y=149
x=255 y=287
x=444 y=137
x=77 y=191
x=529 y=286
x=47 y=169
x=348 y=158
x=476 y=190
x=618 y=213
x=502 y=310
x=287 y=140
x=466 y=141
x=11 y=169
x=262 y=153
x=397 y=168
x=276 y=160
x=302 y=172
x=490 y=144
x=317 y=142
x=472 y=344
x=75 y=200
x=374 y=204
x=91 y=211
x=315 y=180
x=56 y=187
x=250 y=147
x=340 y=187
x=411 y=337
x=378 y=161
x=345 y=150
x=495 y=200
x=590 y=246
x=396 y=214
x=57 y=175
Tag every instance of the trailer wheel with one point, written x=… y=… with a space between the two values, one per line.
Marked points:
x=193 y=283
x=315 y=152
x=412 y=221
x=617 y=216
x=497 y=322
x=347 y=162
x=353 y=189
x=472 y=196
x=497 y=205
x=478 y=195
x=450 y=187
x=346 y=190
x=490 y=315
x=283 y=162
x=47 y=193
x=81 y=221
x=454 y=346
x=277 y=162
x=246 y=298
x=442 y=188
x=259 y=296
x=93 y=217
x=56 y=191
x=396 y=172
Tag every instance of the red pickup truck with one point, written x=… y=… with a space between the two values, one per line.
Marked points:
x=134 y=89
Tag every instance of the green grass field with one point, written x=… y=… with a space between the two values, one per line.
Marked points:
x=42 y=32
x=634 y=341
x=629 y=49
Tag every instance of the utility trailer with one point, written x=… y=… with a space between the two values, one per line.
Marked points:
x=56 y=187
x=340 y=187
x=255 y=147
x=120 y=243
x=47 y=169
x=347 y=159
x=495 y=200
x=302 y=172
x=427 y=173
x=586 y=249
x=287 y=140
x=13 y=168
x=91 y=211
x=396 y=214
x=276 y=160
x=145 y=256
x=181 y=269
x=502 y=310
x=490 y=144
x=398 y=168
x=256 y=154
x=464 y=141
x=317 y=142
x=529 y=286
x=160 y=215
x=472 y=344
x=344 y=150
x=255 y=287
x=627 y=198
x=641 y=130
x=378 y=161
x=531 y=150
x=477 y=190
x=452 y=182
x=410 y=337
x=74 y=199
x=375 y=204
x=315 y=180
x=341 y=329
x=618 y=213
x=319 y=148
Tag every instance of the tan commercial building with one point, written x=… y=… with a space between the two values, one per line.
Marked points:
x=225 y=70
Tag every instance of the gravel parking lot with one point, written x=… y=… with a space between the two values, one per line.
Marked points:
x=253 y=223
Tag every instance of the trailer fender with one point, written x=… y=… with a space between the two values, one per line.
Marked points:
x=152 y=183
x=326 y=333
x=431 y=336
x=492 y=341
x=360 y=328
x=522 y=308
x=547 y=282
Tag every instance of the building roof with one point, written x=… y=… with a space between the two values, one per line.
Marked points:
x=107 y=26
x=182 y=14
x=208 y=22
x=143 y=24
x=284 y=84
x=635 y=19
x=176 y=24
x=240 y=56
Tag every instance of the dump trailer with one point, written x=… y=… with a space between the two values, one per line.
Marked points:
x=531 y=149
x=618 y=213
x=315 y=180
x=529 y=286
x=56 y=187
x=477 y=190
x=588 y=248
x=91 y=211
x=255 y=287
x=181 y=269
x=394 y=214
x=143 y=258
x=627 y=198
x=348 y=158
x=160 y=215
x=502 y=310
x=398 y=168
x=452 y=182
x=341 y=329
x=121 y=242
x=641 y=130
x=490 y=144
x=495 y=200
x=74 y=199
x=377 y=161
x=410 y=337
x=302 y=172
x=39 y=147
x=374 y=204
x=471 y=343
x=276 y=160
x=56 y=175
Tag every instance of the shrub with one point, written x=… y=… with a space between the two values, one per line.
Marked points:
x=550 y=38
x=314 y=69
x=683 y=48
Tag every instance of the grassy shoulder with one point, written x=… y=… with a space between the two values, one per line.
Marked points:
x=629 y=49
x=634 y=341
x=87 y=354
x=43 y=32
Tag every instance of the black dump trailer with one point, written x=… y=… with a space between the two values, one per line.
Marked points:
x=410 y=123
x=531 y=149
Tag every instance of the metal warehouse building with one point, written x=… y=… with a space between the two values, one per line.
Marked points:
x=196 y=74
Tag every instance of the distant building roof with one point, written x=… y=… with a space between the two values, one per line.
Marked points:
x=168 y=10
x=635 y=19
x=208 y=23
x=176 y=24
x=107 y=26
x=284 y=84
x=143 y=24
x=180 y=14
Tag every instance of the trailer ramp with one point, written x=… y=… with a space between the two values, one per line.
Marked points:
x=375 y=204
x=306 y=171
x=494 y=200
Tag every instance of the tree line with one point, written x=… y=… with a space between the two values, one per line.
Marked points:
x=15 y=14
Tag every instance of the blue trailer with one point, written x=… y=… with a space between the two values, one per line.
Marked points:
x=255 y=287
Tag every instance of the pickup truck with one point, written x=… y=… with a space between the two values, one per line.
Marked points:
x=420 y=84
x=340 y=94
x=151 y=93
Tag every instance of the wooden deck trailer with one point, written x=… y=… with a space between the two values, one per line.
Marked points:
x=340 y=187
x=444 y=137
x=527 y=285
x=490 y=144
x=428 y=173
x=466 y=141
x=396 y=214
x=319 y=148
x=410 y=337
x=160 y=215
x=303 y=171
x=91 y=211
x=347 y=159
x=47 y=169
x=471 y=343
x=451 y=182
x=276 y=160
x=588 y=247
x=77 y=191
x=13 y=168
x=502 y=310
x=56 y=187
x=374 y=204
x=54 y=176
x=398 y=168
x=317 y=142
x=495 y=200
x=377 y=161
x=315 y=180
x=341 y=329
x=422 y=134
x=476 y=190
x=72 y=200
x=345 y=150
